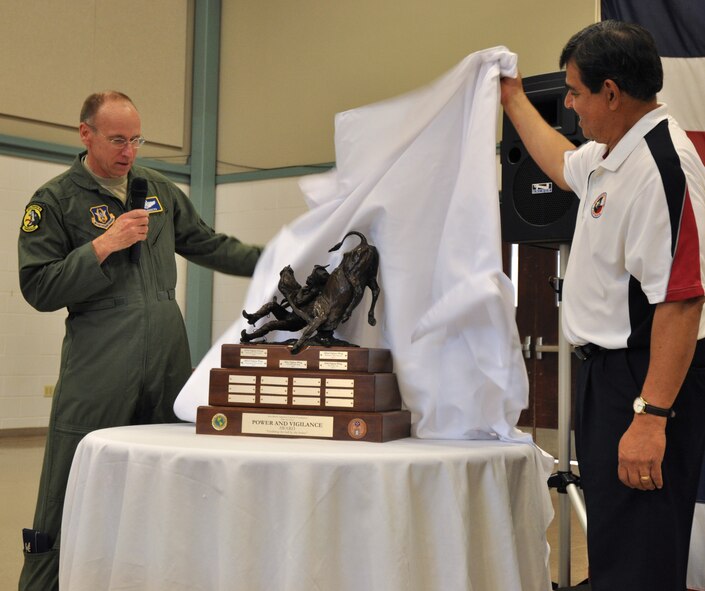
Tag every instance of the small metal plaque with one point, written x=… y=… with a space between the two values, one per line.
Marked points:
x=241 y=389
x=339 y=355
x=340 y=392
x=306 y=382
x=274 y=380
x=305 y=401
x=241 y=399
x=253 y=362
x=335 y=365
x=340 y=402
x=273 y=399
x=292 y=364
x=299 y=391
x=247 y=352
x=339 y=383
x=238 y=379
x=280 y=390
x=294 y=425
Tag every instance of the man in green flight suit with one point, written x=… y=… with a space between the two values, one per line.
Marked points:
x=125 y=355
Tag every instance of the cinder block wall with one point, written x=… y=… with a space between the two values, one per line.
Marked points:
x=30 y=342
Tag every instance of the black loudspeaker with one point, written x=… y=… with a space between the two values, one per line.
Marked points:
x=533 y=209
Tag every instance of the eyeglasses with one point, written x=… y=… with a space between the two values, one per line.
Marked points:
x=120 y=142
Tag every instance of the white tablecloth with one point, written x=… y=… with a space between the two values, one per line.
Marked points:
x=159 y=507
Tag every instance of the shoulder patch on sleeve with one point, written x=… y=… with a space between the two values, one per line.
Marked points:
x=32 y=218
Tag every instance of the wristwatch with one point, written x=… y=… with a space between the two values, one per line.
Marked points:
x=641 y=407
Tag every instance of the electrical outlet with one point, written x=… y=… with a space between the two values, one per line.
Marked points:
x=48 y=391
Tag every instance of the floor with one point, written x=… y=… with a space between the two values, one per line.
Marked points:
x=20 y=464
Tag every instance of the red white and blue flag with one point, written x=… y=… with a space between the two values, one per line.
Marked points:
x=677 y=27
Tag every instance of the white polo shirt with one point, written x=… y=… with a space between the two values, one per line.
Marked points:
x=640 y=233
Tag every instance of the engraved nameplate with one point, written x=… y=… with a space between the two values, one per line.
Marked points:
x=292 y=425
x=274 y=380
x=340 y=392
x=340 y=402
x=299 y=391
x=280 y=390
x=247 y=352
x=338 y=355
x=292 y=364
x=241 y=389
x=238 y=379
x=306 y=381
x=305 y=401
x=333 y=365
x=241 y=399
x=253 y=362
x=269 y=399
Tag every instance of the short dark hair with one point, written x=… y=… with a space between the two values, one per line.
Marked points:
x=93 y=103
x=625 y=53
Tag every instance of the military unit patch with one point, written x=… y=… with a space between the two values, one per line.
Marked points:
x=32 y=218
x=101 y=217
x=153 y=205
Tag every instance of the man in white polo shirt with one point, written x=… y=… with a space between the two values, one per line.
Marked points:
x=632 y=303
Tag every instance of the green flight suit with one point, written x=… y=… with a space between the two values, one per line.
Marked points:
x=125 y=355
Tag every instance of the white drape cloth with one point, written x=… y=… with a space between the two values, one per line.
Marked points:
x=417 y=175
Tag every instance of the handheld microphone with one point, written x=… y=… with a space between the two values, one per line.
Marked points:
x=138 y=193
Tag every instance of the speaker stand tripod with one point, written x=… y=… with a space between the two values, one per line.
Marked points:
x=564 y=481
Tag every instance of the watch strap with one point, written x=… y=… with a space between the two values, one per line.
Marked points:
x=650 y=409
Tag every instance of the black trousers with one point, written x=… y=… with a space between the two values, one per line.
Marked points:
x=637 y=539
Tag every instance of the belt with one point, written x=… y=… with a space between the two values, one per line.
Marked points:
x=584 y=352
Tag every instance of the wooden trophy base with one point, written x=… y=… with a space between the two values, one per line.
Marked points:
x=321 y=393
x=268 y=356
x=318 y=424
x=358 y=392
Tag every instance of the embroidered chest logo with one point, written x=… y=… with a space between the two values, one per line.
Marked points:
x=101 y=217
x=32 y=217
x=598 y=206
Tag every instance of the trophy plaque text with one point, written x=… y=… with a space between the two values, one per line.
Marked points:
x=285 y=422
